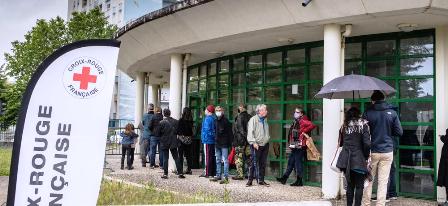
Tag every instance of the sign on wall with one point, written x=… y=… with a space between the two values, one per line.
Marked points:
x=61 y=132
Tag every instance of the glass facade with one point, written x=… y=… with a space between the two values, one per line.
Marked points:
x=286 y=77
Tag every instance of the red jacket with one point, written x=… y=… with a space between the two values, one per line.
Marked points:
x=304 y=126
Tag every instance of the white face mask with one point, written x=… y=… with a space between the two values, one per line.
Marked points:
x=218 y=114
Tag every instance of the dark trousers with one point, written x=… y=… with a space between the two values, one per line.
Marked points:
x=295 y=162
x=144 y=147
x=210 y=160
x=391 y=189
x=185 y=149
x=258 y=166
x=129 y=152
x=355 y=188
x=166 y=156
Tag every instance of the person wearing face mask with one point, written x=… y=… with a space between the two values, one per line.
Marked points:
x=297 y=143
x=242 y=150
x=208 y=139
x=258 y=138
x=223 y=140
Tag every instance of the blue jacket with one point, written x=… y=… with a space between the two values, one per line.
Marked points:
x=208 y=130
x=128 y=138
x=384 y=126
x=147 y=119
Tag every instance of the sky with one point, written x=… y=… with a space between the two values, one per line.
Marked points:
x=18 y=17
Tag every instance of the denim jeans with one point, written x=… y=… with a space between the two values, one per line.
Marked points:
x=295 y=162
x=222 y=154
x=155 y=142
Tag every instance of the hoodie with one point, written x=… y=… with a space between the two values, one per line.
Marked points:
x=384 y=126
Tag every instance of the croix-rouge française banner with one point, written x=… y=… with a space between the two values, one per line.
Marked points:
x=61 y=132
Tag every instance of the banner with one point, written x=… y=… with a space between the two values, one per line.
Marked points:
x=60 y=137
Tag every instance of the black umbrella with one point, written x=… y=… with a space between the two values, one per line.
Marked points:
x=353 y=86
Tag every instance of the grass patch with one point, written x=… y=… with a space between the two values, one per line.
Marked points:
x=5 y=160
x=117 y=193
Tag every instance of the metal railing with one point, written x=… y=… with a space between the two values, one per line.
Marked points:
x=116 y=126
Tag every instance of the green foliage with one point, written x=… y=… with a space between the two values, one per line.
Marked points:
x=117 y=193
x=42 y=40
x=5 y=160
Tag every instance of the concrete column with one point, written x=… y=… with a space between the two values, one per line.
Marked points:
x=176 y=85
x=184 y=88
x=331 y=110
x=441 y=76
x=139 y=96
x=146 y=93
x=153 y=94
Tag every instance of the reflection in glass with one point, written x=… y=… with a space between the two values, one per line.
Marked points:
x=417 y=183
x=317 y=133
x=238 y=64
x=275 y=129
x=212 y=69
x=273 y=93
x=380 y=48
x=193 y=75
x=313 y=89
x=295 y=74
x=211 y=96
x=255 y=77
x=223 y=96
x=202 y=85
x=417 y=88
x=348 y=105
x=380 y=68
x=224 y=67
x=193 y=87
x=238 y=96
x=296 y=56
x=223 y=81
x=275 y=113
x=272 y=168
x=274 y=59
x=416 y=111
x=417 y=135
x=352 y=68
x=273 y=75
x=315 y=112
x=212 y=82
x=238 y=79
x=203 y=71
x=317 y=54
x=274 y=149
x=353 y=51
x=294 y=92
x=417 y=66
x=254 y=94
x=255 y=62
x=314 y=173
x=316 y=72
x=419 y=45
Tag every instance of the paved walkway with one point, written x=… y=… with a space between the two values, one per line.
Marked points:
x=4 y=180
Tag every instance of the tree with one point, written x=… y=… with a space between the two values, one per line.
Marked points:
x=42 y=40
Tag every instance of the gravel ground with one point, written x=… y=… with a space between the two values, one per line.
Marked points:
x=193 y=184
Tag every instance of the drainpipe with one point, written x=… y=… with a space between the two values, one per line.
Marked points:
x=184 y=79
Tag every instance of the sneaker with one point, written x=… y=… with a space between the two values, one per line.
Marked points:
x=263 y=183
x=164 y=176
x=181 y=176
x=224 y=181
x=215 y=179
x=237 y=178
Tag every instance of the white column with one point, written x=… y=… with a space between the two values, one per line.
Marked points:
x=153 y=93
x=184 y=88
x=146 y=93
x=176 y=86
x=139 y=95
x=441 y=96
x=331 y=109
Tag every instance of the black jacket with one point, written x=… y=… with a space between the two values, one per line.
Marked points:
x=355 y=142
x=185 y=128
x=168 y=129
x=240 y=129
x=224 y=135
x=384 y=126
x=442 y=178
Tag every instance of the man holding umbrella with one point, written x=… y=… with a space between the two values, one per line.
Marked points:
x=384 y=125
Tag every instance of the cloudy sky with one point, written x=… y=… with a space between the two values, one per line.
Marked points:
x=19 y=16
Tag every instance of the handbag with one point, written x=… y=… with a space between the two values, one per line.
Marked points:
x=312 y=154
x=184 y=139
x=334 y=162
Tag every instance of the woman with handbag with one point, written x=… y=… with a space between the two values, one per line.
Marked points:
x=355 y=143
x=185 y=135
x=297 y=143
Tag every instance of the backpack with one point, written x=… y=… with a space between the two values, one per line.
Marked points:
x=155 y=126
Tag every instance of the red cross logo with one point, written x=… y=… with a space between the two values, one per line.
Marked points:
x=85 y=78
